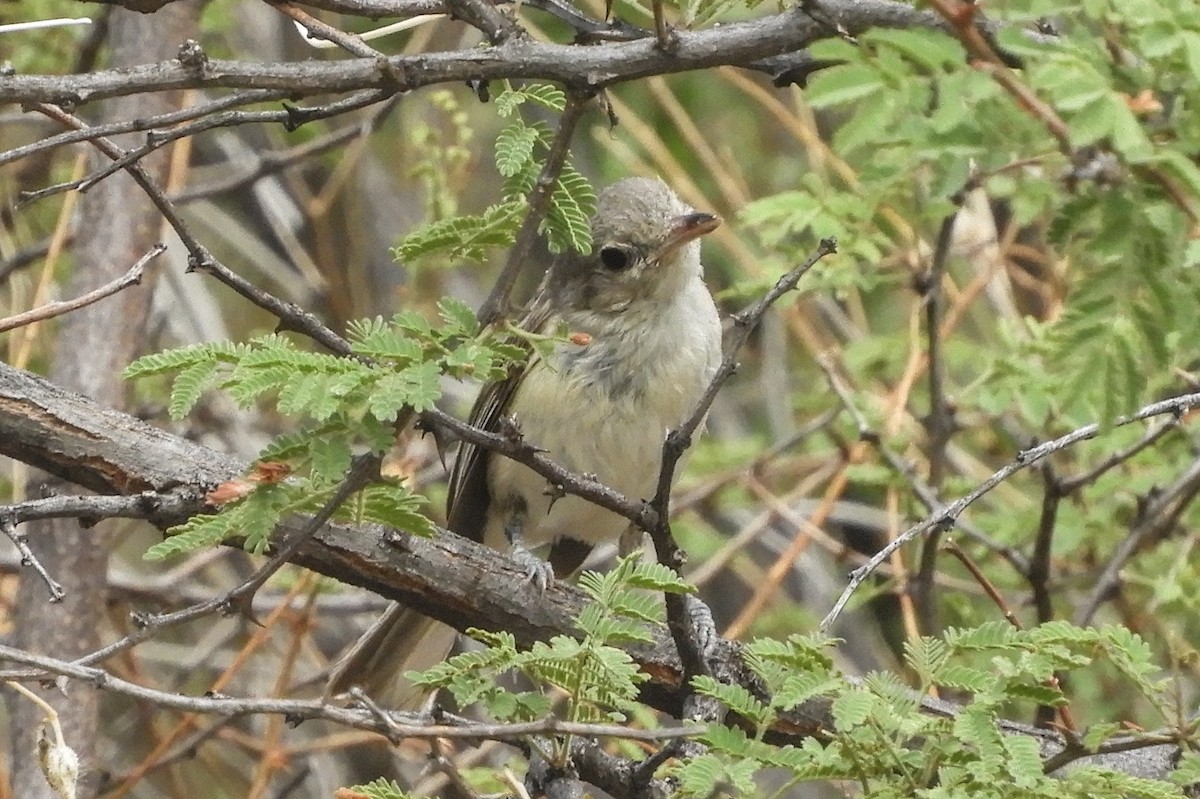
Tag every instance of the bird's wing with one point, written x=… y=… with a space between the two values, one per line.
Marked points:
x=467 y=500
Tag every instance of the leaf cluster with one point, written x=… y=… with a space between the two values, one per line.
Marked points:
x=877 y=719
x=520 y=149
x=1114 y=204
x=598 y=679
x=348 y=405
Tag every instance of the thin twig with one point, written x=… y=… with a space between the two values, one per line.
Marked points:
x=166 y=119
x=1064 y=712
x=290 y=117
x=404 y=725
x=484 y=16
x=1039 y=561
x=947 y=516
x=939 y=424
x=9 y=527
x=272 y=161
x=322 y=30
x=91 y=508
x=241 y=597
x=53 y=309
x=1159 y=514
x=362 y=472
x=291 y=316
x=924 y=493
x=1070 y=485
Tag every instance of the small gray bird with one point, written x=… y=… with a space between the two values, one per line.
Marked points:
x=603 y=406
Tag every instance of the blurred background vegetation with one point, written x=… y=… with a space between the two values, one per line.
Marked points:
x=1053 y=250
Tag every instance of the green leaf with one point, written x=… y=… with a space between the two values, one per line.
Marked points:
x=199 y=532
x=514 y=149
x=739 y=700
x=459 y=318
x=843 y=84
x=571 y=206
x=380 y=789
x=189 y=385
x=416 y=385
x=181 y=358
x=852 y=708
x=933 y=50
x=330 y=458
x=544 y=94
x=397 y=507
x=464 y=237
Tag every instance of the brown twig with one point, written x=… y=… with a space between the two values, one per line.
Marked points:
x=679 y=439
x=53 y=309
x=939 y=423
x=8 y=526
x=592 y=67
x=290 y=315
x=322 y=30
x=484 y=16
x=410 y=725
x=1159 y=513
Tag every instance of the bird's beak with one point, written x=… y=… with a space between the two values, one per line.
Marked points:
x=683 y=229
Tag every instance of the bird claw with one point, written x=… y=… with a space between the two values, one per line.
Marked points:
x=537 y=571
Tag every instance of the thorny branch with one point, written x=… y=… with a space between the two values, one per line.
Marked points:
x=497 y=302
x=939 y=422
x=396 y=726
x=679 y=620
x=1159 y=514
x=947 y=516
x=199 y=258
x=469 y=576
x=590 y=68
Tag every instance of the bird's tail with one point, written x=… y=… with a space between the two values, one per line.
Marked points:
x=400 y=640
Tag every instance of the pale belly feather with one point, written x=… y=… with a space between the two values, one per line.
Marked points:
x=590 y=427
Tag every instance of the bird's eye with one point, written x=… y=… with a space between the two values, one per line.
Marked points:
x=614 y=258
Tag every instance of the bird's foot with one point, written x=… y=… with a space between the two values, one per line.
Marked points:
x=537 y=571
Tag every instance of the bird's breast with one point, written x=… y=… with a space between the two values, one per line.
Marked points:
x=604 y=408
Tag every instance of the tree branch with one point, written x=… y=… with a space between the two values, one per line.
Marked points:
x=591 y=67
x=53 y=309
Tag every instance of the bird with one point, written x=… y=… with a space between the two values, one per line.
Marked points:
x=644 y=343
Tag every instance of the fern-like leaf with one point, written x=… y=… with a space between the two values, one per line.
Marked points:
x=464 y=237
x=189 y=385
x=199 y=532
x=572 y=204
x=514 y=148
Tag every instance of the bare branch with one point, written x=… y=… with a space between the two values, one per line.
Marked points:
x=9 y=527
x=481 y=14
x=591 y=67
x=53 y=309
x=939 y=423
x=679 y=618
x=946 y=517
x=457 y=581
x=1159 y=514
x=199 y=258
x=396 y=726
